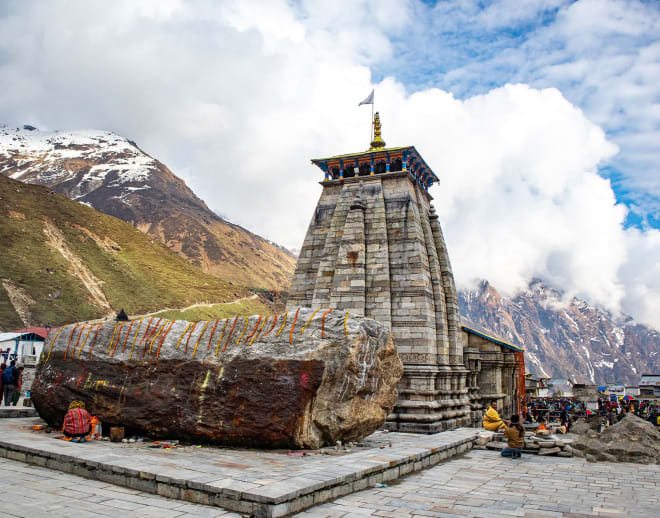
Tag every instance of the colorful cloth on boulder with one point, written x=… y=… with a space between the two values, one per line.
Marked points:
x=492 y=420
x=76 y=421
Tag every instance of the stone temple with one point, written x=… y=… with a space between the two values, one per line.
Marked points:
x=375 y=248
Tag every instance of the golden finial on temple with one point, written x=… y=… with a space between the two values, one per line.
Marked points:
x=378 y=141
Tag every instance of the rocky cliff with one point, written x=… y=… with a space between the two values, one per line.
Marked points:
x=573 y=340
x=113 y=175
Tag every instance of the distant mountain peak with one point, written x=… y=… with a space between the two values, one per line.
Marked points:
x=111 y=174
x=568 y=338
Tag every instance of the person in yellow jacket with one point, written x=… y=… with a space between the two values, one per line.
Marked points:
x=492 y=420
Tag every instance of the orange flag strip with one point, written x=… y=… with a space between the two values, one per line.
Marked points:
x=323 y=322
x=247 y=320
x=256 y=326
x=156 y=336
x=114 y=348
x=137 y=332
x=151 y=333
x=229 y=335
x=69 y=342
x=259 y=331
x=200 y=337
x=208 y=347
x=273 y=326
x=82 y=329
x=162 y=339
x=114 y=332
x=183 y=334
x=217 y=347
x=293 y=325
x=308 y=321
x=84 y=341
x=53 y=343
x=123 y=347
x=191 y=332
x=96 y=333
x=283 y=324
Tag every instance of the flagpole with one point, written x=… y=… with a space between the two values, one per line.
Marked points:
x=371 y=131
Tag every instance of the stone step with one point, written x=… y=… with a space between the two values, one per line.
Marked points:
x=263 y=483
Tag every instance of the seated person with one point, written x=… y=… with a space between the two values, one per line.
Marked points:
x=492 y=420
x=543 y=429
x=515 y=436
x=77 y=422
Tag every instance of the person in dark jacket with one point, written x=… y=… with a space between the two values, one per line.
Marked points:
x=9 y=378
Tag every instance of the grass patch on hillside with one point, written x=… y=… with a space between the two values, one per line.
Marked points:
x=242 y=308
x=133 y=271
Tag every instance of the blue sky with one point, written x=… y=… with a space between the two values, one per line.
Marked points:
x=469 y=48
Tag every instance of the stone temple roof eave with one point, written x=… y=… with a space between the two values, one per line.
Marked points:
x=371 y=152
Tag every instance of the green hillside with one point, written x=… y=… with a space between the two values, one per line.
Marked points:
x=62 y=262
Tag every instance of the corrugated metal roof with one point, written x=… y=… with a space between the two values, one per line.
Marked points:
x=4 y=337
x=493 y=339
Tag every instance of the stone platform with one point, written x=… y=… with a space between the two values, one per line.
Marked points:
x=259 y=482
x=9 y=412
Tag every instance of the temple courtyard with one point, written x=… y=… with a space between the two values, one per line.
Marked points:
x=451 y=483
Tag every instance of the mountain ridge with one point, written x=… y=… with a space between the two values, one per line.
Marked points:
x=564 y=339
x=113 y=175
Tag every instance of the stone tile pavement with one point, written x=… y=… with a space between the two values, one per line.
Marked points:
x=485 y=484
x=34 y=492
x=266 y=483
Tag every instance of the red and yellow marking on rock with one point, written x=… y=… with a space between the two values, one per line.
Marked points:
x=345 y=327
x=162 y=339
x=272 y=327
x=84 y=342
x=137 y=332
x=114 y=348
x=146 y=330
x=153 y=332
x=53 y=343
x=256 y=326
x=259 y=331
x=182 y=335
x=156 y=336
x=96 y=334
x=69 y=342
x=308 y=321
x=208 y=347
x=200 y=337
x=229 y=335
x=283 y=324
x=123 y=347
x=192 y=330
x=217 y=347
x=293 y=325
x=247 y=321
x=323 y=322
x=82 y=329
x=114 y=332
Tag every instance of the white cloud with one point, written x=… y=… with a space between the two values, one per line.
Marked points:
x=238 y=100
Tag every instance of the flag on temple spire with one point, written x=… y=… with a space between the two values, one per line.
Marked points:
x=369 y=99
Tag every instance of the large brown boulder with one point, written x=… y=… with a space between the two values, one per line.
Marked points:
x=301 y=379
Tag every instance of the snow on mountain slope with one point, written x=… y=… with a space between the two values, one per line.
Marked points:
x=113 y=175
x=570 y=340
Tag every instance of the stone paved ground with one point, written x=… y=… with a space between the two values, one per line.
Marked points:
x=33 y=492
x=485 y=484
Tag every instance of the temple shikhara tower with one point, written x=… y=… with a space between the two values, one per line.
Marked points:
x=375 y=248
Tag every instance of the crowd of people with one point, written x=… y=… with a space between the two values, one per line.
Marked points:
x=548 y=415
x=11 y=382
